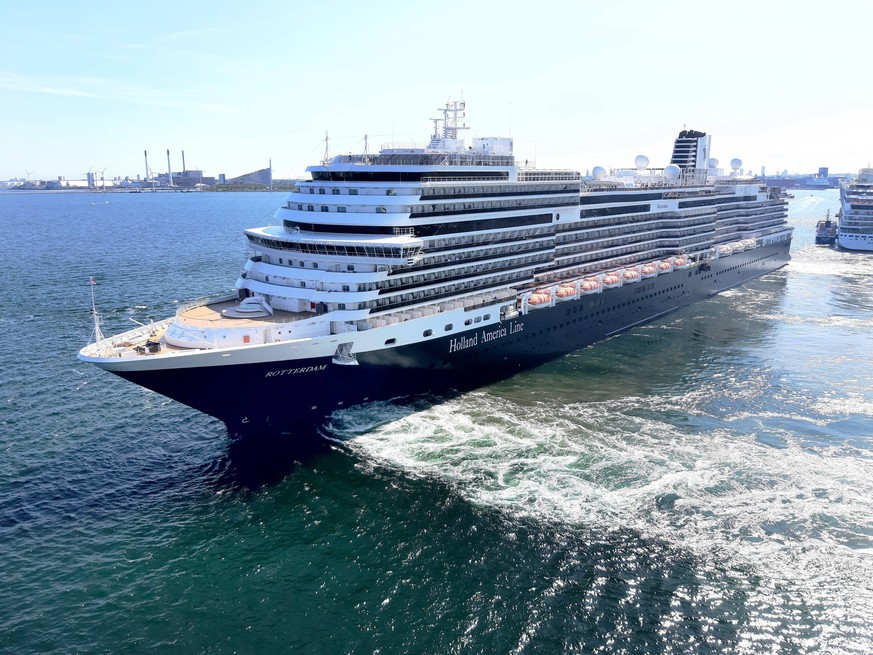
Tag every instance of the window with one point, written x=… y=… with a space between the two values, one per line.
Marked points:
x=321 y=191
x=427 y=333
x=311 y=190
x=449 y=327
x=310 y=208
x=345 y=287
x=300 y=207
x=335 y=192
x=350 y=267
x=487 y=316
x=390 y=192
x=381 y=210
x=353 y=192
x=314 y=264
x=390 y=341
x=469 y=321
x=341 y=210
x=477 y=319
x=324 y=208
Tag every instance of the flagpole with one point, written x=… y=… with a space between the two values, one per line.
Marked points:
x=98 y=335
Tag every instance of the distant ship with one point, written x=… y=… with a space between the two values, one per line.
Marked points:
x=442 y=267
x=855 y=230
x=826 y=230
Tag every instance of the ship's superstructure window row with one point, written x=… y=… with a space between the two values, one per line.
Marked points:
x=425 y=227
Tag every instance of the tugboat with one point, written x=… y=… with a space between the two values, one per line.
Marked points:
x=826 y=231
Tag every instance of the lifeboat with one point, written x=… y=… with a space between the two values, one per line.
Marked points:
x=591 y=285
x=665 y=267
x=611 y=280
x=566 y=292
x=725 y=250
x=750 y=243
x=540 y=299
x=680 y=262
x=649 y=270
x=738 y=246
x=631 y=276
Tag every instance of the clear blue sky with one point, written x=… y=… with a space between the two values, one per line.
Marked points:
x=576 y=84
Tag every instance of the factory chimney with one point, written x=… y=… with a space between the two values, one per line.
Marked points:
x=183 y=163
x=169 y=168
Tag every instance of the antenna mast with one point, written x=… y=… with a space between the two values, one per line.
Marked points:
x=450 y=125
x=326 y=159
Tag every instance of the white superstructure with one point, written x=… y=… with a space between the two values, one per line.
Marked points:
x=855 y=231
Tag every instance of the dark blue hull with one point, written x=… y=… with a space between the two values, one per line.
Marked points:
x=278 y=397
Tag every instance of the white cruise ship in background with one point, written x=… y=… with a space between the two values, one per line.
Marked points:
x=855 y=231
x=446 y=266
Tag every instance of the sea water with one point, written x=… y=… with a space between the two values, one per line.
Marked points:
x=701 y=484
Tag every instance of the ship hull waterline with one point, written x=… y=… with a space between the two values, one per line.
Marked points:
x=296 y=397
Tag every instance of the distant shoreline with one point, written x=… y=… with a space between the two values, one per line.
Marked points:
x=225 y=189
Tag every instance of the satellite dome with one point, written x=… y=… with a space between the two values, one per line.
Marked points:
x=641 y=162
x=712 y=163
x=736 y=164
x=672 y=172
x=599 y=172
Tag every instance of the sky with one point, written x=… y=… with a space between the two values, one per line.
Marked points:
x=83 y=87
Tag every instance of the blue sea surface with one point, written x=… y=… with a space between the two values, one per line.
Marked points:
x=701 y=484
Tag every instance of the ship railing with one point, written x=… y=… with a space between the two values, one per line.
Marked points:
x=462 y=178
x=467 y=303
x=125 y=342
x=462 y=158
x=549 y=176
x=206 y=300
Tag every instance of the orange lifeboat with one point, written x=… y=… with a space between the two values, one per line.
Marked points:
x=539 y=299
x=680 y=262
x=589 y=286
x=565 y=292
x=665 y=266
x=631 y=276
x=649 y=270
x=611 y=280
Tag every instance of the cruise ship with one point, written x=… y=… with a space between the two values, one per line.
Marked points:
x=855 y=231
x=432 y=268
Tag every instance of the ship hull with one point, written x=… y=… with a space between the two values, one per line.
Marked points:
x=293 y=396
x=855 y=242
